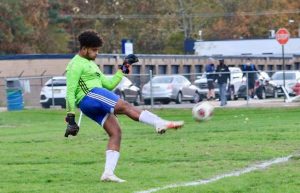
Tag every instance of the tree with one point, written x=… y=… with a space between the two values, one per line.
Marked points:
x=155 y=27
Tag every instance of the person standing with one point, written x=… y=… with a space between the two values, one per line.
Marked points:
x=249 y=71
x=90 y=90
x=210 y=76
x=223 y=77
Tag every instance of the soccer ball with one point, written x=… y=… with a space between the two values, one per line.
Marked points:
x=202 y=111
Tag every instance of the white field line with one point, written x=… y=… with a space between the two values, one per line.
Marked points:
x=254 y=167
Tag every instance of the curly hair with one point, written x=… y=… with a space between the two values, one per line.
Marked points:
x=90 y=38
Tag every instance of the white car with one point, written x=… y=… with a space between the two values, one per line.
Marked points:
x=236 y=79
x=54 y=92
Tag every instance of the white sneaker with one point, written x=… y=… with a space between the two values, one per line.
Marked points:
x=111 y=178
x=162 y=126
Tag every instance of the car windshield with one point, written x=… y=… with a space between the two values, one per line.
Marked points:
x=161 y=79
x=288 y=76
x=57 y=82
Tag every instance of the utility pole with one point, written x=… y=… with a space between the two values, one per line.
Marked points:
x=182 y=12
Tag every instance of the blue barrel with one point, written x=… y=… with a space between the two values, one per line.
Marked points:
x=14 y=99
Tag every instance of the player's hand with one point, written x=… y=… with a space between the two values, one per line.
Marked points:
x=72 y=127
x=125 y=67
x=128 y=61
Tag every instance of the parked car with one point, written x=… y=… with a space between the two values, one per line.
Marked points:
x=171 y=88
x=236 y=76
x=57 y=91
x=291 y=78
x=264 y=87
x=54 y=92
x=128 y=91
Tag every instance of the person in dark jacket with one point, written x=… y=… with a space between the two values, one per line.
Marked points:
x=223 y=77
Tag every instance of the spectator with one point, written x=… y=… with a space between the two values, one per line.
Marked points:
x=249 y=71
x=210 y=76
x=223 y=77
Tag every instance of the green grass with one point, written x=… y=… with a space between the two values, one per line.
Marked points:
x=35 y=157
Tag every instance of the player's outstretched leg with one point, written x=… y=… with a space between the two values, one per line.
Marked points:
x=144 y=116
x=162 y=126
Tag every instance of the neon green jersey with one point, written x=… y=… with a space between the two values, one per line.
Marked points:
x=82 y=76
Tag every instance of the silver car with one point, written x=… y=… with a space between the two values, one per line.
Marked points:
x=170 y=88
x=291 y=78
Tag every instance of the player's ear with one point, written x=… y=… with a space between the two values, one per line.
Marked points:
x=84 y=49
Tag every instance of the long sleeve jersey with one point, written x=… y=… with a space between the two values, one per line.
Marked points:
x=224 y=74
x=82 y=76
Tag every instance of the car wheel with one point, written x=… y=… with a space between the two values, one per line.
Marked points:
x=147 y=101
x=261 y=94
x=197 y=98
x=179 y=98
x=63 y=106
x=165 y=102
x=137 y=101
x=45 y=105
x=236 y=97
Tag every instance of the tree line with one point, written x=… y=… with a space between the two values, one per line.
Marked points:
x=154 y=26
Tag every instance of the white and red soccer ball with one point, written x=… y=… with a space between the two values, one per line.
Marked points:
x=202 y=111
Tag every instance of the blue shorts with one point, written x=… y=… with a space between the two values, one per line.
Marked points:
x=98 y=104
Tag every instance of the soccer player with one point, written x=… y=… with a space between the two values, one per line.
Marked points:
x=90 y=90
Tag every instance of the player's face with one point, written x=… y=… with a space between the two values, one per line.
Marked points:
x=91 y=53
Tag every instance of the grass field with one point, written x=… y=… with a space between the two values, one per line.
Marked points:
x=36 y=158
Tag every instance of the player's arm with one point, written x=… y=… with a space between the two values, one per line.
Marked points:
x=125 y=68
x=74 y=71
x=73 y=76
x=111 y=83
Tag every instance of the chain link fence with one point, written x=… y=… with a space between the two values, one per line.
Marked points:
x=33 y=89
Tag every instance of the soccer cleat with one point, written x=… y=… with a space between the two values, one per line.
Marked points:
x=111 y=178
x=162 y=126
